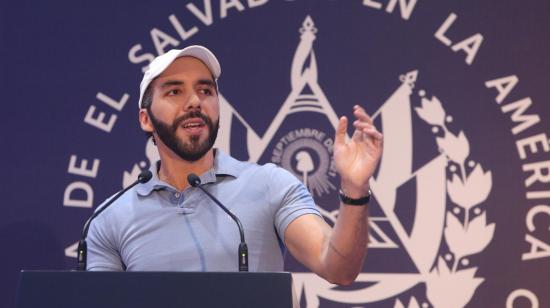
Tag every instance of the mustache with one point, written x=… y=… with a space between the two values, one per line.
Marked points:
x=190 y=115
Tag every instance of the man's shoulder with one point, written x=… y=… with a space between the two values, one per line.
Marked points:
x=240 y=166
x=115 y=204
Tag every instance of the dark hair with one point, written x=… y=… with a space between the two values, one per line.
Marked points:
x=147 y=99
x=146 y=103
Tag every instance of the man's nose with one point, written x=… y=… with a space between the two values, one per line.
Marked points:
x=193 y=102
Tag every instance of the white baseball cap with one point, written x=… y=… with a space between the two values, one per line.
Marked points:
x=160 y=63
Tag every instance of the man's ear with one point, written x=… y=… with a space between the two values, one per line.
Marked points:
x=145 y=121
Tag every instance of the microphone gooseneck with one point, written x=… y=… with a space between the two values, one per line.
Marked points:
x=195 y=181
x=82 y=250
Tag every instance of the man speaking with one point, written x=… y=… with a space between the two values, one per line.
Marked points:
x=167 y=225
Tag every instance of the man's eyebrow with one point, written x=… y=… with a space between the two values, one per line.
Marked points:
x=207 y=82
x=170 y=83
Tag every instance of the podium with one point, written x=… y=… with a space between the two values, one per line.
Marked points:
x=62 y=289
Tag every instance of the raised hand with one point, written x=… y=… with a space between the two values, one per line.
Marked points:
x=356 y=159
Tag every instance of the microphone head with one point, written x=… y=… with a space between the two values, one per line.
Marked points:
x=193 y=180
x=145 y=176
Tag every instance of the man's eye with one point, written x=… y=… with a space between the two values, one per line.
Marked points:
x=174 y=92
x=206 y=91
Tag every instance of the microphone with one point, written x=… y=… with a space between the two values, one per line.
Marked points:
x=82 y=250
x=195 y=181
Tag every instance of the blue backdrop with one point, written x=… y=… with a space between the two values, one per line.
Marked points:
x=459 y=88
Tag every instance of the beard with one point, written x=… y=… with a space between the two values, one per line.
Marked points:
x=193 y=149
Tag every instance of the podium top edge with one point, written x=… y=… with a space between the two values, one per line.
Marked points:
x=283 y=273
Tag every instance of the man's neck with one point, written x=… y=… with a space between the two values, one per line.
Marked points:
x=174 y=170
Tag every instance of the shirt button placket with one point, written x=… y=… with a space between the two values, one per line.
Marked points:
x=175 y=197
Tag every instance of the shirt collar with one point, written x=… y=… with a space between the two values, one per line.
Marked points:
x=224 y=165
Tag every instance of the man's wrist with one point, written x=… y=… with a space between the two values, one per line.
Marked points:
x=354 y=192
x=361 y=201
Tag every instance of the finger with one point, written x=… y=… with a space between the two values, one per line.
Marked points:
x=360 y=113
x=376 y=146
x=373 y=143
x=373 y=133
x=357 y=124
x=357 y=135
x=340 y=137
x=379 y=143
x=369 y=129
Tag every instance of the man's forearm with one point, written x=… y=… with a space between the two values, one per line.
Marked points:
x=346 y=247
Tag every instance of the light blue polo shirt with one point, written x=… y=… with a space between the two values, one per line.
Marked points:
x=154 y=227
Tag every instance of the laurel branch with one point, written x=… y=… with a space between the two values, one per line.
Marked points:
x=413 y=303
x=466 y=230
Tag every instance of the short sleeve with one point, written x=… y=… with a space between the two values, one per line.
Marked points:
x=294 y=198
x=102 y=252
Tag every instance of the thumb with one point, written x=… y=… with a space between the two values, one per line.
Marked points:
x=340 y=136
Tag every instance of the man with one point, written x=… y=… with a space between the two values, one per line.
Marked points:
x=166 y=225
